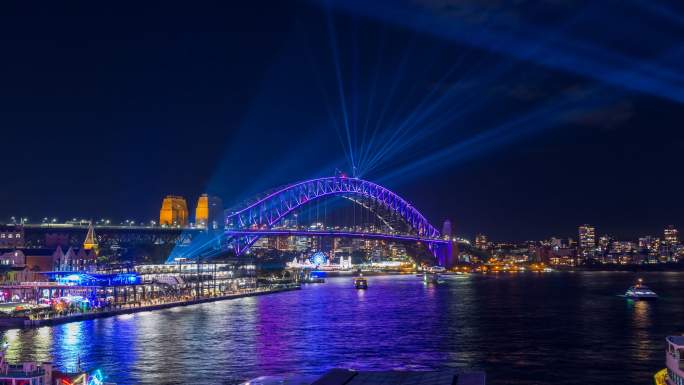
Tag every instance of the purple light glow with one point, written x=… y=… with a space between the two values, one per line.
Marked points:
x=298 y=194
x=314 y=233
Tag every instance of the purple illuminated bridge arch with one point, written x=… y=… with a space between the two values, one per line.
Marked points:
x=261 y=218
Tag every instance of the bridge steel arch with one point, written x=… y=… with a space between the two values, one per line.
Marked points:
x=268 y=211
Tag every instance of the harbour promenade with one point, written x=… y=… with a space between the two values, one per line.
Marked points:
x=157 y=304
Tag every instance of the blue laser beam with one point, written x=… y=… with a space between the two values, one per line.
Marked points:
x=564 y=54
x=550 y=114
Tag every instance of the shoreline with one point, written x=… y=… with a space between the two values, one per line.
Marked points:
x=663 y=268
x=22 y=323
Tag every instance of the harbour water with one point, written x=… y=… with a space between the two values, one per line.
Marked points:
x=552 y=328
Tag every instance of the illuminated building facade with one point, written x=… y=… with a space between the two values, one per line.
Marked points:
x=671 y=235
x=11 y=236
x=174 y=211
x=209 y=212
x=587 y=240
x=481 y=242
x=670 y=244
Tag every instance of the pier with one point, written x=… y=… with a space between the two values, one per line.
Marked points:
x=26 y=322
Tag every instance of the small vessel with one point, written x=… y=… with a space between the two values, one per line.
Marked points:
x=360 y=283
x=45 y=373
x=432 y=278
x=673 y=373
x=640 y=292
x=437 y=269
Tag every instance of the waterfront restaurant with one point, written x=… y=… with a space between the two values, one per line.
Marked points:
x=74 y=291
x=70 y=291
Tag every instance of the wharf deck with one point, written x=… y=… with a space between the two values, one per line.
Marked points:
x=137 y=309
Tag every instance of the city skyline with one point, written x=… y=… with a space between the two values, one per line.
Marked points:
x=343 y=192
x=228 y=124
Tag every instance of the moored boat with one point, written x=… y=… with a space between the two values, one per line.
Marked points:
x=673 y=374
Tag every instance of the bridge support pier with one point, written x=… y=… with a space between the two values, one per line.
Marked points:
x=444 y=254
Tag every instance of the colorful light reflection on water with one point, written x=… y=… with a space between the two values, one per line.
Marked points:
x=561 y=328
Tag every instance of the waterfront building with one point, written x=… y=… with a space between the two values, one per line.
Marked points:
x=11 y=236
x=564 y=256
x=209 y=212
x=481 y=242
x=557 y=242
x=587 y=240
x=285 y=243
x=670 y=244
x=34 y=259
x=604 y=244
x=397 y=252
x=649 y=244
x=261 y=244
x=622 y=247
x=671 y=235
x=47 y=259
x=174 y=211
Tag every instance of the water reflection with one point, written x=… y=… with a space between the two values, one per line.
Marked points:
x=69 y=345
x=42 y=341
x=15 y=346
x=518 y=328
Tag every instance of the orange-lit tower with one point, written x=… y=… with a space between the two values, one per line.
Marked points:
x=174 y=211
x=209 y=212
x=202 y=211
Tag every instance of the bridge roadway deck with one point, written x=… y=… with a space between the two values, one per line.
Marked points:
x=335 y=233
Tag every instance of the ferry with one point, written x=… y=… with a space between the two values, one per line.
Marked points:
x=640 y=292
x=433 y=278
x=436 y=269
x=360 y=283
x=673 y=374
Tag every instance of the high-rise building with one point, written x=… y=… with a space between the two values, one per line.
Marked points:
x=209 y=212
x=174 y=211
x=587 y=240
x=671 y=235
x=481 y=242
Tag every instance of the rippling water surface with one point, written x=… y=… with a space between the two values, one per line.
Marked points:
x=556 y=328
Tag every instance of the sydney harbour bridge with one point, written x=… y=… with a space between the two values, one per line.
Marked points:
x=382 y=214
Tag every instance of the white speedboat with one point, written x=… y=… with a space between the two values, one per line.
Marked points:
x=640 y=292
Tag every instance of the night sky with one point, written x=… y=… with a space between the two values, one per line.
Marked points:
x=514 y=119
